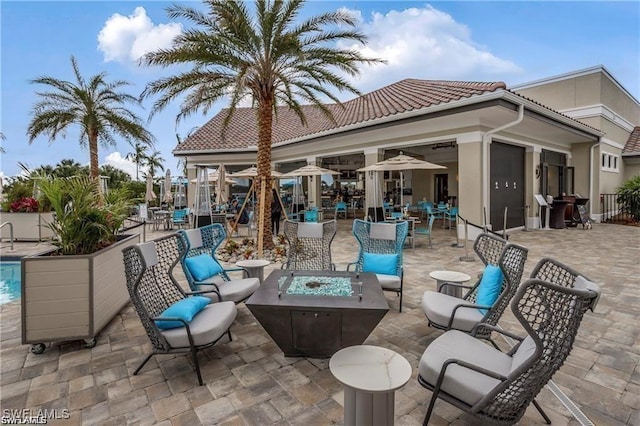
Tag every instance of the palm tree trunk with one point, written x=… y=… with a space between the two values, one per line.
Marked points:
x=93 y=154
x=265 y=121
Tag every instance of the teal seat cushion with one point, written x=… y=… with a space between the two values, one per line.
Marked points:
x=385 y=264
x=490 y=286
x=185 y=309
x=202 y=267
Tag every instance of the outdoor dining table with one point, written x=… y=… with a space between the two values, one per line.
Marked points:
x=163 y=216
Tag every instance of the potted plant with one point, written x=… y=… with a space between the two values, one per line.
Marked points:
x=27 y=215
x=73 y=291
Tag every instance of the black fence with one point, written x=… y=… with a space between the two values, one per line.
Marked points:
x=620 y=208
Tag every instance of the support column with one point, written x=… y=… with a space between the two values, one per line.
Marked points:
x=314 y=196
x=470 y=191
x=532 y=185
x=373 y=180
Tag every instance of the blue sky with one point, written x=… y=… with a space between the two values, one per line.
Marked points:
x=514 y=42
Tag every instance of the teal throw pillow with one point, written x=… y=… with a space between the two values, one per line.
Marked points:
x=490 y=285
x=385 y=264
x=202 y=267
x=186 y=309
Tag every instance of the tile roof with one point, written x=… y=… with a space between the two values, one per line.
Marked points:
x=633 y=143
x=405 y=95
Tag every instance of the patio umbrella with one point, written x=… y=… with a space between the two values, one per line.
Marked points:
x=221 y=186
x=252 y=172
x=149 y=195
x=401 y=163
x=308 y=170
x=213 y=177
x=167 y=197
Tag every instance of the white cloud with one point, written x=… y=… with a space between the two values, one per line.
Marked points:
x=116 y=159
x=127 y=38
x=425 y=43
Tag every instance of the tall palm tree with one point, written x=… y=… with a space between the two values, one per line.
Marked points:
x=153 y=162
x=97 y=106
x=273 y=57
x=137 y=156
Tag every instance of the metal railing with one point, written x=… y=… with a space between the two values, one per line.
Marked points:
x=137 y=224
x=10 y=232
x=620 y=208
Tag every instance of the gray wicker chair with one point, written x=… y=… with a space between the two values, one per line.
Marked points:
x=372 y=238
x=152 y=288
x=497 y=387
x=448 y=312
x=206 y=240
x=309 y=245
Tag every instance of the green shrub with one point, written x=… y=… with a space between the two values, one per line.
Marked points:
x=86 y=221
x=629 y=196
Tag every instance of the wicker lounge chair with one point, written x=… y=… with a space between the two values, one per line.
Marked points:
x=382 y=239
x=205 y=241
x=497 y=387
x=309 y=245
x=448 y=312
x=153 y=289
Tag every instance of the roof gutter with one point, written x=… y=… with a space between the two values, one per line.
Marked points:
x=486 y=140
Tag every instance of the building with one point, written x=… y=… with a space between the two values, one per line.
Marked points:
x=572 y=133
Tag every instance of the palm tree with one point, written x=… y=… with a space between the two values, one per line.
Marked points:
x=153 y=162
x=271 y=57
x=95 y=105
x=2 y=137
x=137 y=156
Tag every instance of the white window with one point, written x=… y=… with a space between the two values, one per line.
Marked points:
x=610 y=162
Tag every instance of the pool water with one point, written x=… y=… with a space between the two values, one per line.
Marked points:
x=9 y=281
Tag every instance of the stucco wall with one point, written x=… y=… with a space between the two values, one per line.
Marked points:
x=470 y=190
x=569 y=93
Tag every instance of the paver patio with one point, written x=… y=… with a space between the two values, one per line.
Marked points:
x=249 y=381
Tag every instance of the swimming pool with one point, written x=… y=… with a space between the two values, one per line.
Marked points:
x=9 y=281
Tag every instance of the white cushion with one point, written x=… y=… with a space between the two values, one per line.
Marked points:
x=526 y=350
x=461 y=382
x=382 y=231
x=310 y=230
x=234 y=290
x=584 y=284
x=438 y=307
x=206 y=327
x=390 y=282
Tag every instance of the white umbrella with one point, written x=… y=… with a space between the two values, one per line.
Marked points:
x=401 y=162
x=310 y=170
x=213 y=177
x=252 y=172
x=167 y=197
x=149 y=195
x=221 y=186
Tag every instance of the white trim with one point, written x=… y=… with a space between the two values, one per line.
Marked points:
x=469 y=137
x=574 y=74
x=534 y=148
x=599 y=111
x=612 y=143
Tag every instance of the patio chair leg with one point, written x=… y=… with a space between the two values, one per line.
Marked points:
x=430 y=409
x=400 y=308
x=143 y=363
x=541 y=411
x=194 y=353
x=229 y=334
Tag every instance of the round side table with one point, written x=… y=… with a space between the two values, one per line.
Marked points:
x=370 y=375
x=254 y=267
x=451 y=277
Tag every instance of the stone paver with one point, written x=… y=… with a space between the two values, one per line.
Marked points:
x=250 y=382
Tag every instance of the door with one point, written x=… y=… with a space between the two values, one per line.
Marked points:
x=506 y=185
x=442 y=188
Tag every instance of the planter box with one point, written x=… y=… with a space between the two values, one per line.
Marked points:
x=27 y=226
x=72 y=297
